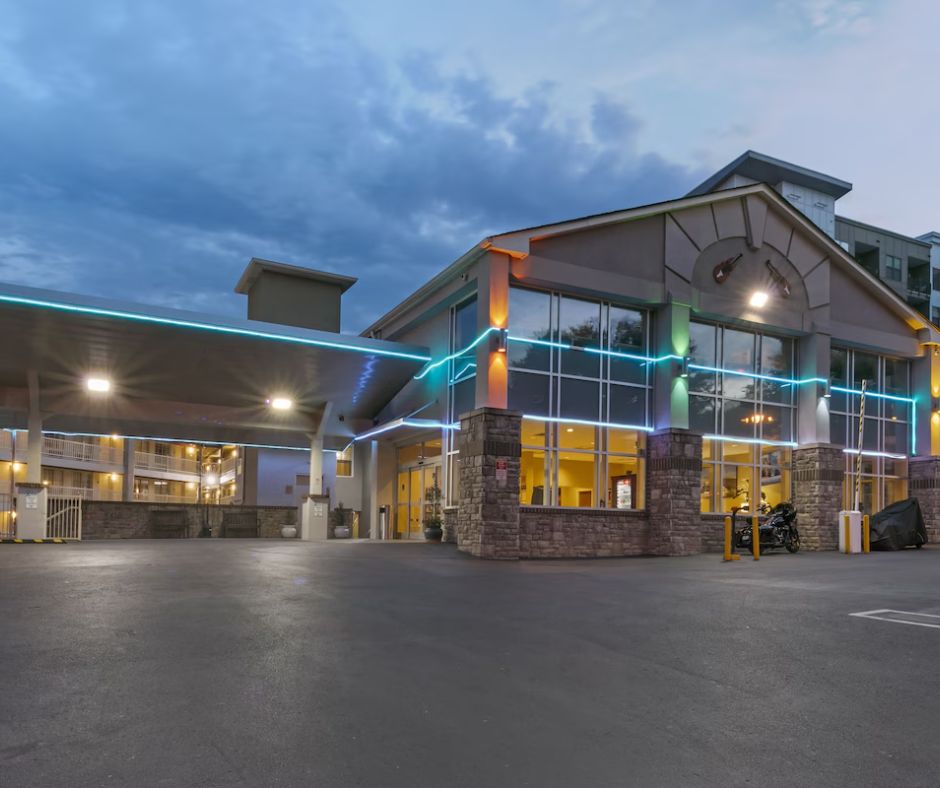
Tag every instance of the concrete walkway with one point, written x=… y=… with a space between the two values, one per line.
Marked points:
x=268 y=663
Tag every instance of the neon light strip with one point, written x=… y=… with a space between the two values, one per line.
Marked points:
x=398 y=423
x=876 y=454
x=559 y=420
x=873 y=394
x=457 y=379
x=772 y=378
x=167 y=321
x=755 y=441
x=596 y=350
x=197 y=441
x=459 y=353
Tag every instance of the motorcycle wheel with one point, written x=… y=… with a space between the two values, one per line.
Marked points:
x=792 y=541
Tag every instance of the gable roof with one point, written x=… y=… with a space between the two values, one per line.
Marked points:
x=516 y=242
x=767 y=169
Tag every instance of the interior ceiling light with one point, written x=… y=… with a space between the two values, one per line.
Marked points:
x=280 y=403
x=759 y=299
x=100 y=385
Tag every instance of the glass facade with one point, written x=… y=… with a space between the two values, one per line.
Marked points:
x=460 y=389
x=742 y=398
x=582 y=366
x=886 y=434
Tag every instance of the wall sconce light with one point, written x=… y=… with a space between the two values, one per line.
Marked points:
x=827 y=390
x=684 y=367
x=500 y=340
x=935 y=404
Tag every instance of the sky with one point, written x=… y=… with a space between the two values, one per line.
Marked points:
x=149 y=149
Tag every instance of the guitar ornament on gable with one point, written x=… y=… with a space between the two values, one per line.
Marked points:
x=725 y=267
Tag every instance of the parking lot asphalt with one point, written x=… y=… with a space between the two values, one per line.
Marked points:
x=270 y=663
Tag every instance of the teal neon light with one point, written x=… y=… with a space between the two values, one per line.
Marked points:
x=197 y=441
x=595 y=350
x=754 y=441
x=457 y=354
x=772 y=378
x=246 y=332
x=559 y=420
x=856 y=392
x=399 y=423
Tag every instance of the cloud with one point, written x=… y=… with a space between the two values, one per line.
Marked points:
x=157 y=147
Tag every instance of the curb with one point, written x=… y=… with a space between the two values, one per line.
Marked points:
x=32 y=541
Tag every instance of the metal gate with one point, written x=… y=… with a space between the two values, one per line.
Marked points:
x=7 y=521
x=64 y=518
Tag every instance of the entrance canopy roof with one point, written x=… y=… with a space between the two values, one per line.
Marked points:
x=187 y=376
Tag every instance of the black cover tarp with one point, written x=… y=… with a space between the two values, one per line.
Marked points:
x=899 y=525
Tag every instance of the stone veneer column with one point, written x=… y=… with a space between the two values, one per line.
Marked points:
x=488 y=517
x=925 y=487
x=674 y=492
x=818 y=473
x=449 y=526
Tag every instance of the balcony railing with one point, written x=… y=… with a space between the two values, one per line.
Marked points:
x=161 y=462
x=85 y=493
x=918 y=290
x=79 y=451
x=145 y=496
x=228 y=466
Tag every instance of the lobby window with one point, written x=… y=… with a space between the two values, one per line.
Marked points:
x=746 y=411
x=936 y=279
x=461 y=388
x=344 y=463
x=892 y=268
x=580 y=364
x=886 y=439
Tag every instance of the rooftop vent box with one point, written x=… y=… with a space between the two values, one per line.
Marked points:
x=292 y=295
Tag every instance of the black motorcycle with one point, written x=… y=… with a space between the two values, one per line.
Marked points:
x=777 y=528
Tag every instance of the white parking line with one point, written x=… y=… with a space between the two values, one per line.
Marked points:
x=901 y=617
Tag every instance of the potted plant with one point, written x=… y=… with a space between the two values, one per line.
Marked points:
x=339 y=522
x=433 y=525
x=433 y=529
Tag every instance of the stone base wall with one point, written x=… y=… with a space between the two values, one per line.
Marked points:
x=818 y=473
x=925 y=487
x=713 y=533
x=120 y=520
x=549 y=532
x=449 y=525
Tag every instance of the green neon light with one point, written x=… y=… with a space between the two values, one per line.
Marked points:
x=167 y=321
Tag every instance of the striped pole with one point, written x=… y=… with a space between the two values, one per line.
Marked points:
x=861 y=435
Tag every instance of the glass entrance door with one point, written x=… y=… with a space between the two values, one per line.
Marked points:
x=418 y=499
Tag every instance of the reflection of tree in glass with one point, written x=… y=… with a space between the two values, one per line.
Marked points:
x=584 y=334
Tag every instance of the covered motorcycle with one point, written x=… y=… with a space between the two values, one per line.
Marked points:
x=899 y=525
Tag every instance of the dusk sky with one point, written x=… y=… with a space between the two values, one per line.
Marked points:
x=149 y=149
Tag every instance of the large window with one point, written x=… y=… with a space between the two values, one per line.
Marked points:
x=582 y=365
x=344 y=462
x=461 y=388
x=886 y=434
x=742 y=397
x=892 y=268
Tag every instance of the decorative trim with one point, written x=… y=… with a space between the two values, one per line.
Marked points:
x=928 y=483
x=674 y=464
x=819 y=475
x=501 y=448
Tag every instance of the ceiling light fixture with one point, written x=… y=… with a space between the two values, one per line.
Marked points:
x=759 y=299
x=280 y=403
x=98 y=385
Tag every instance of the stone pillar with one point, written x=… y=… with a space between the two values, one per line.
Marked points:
x=450 y=525
x=818 y=473
x=488 y=517
x=674 y=492
x=925 y=487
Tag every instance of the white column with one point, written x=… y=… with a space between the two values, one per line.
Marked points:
x=316 y=465
x=34 y=427
x=130 y=468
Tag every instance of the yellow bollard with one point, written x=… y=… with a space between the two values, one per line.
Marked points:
x=729 y=536
x=846 y=535
x=866 y=535
x=755 y=535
